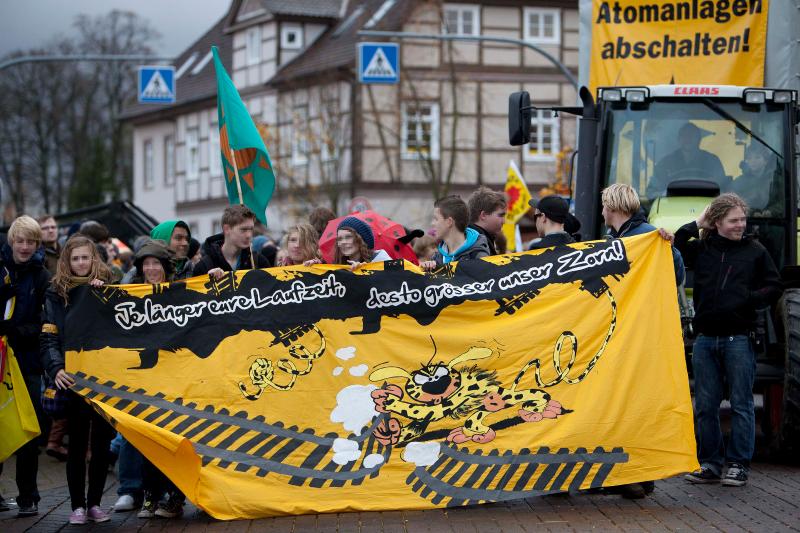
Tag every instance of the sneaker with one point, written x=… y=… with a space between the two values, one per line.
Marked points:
x=172 y=508
x=736 y=476
x=96 y=514
x=148 y=509
x=4 y=505
x=704 y=475
x=125 y=502
x=78 y=517
x=27 y=510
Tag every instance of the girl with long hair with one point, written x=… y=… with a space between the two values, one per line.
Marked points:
x=80 y=264
x=302 y=244
x=355 y=245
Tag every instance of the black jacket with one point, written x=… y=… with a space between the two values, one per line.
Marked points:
x=732 y=279
x=560 y=238
x=489 y=238
x=213 y=258
x=27 y=284
x=51 y=349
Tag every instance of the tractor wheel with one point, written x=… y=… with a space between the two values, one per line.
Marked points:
x=789 y=433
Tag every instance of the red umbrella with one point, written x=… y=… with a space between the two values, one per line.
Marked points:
x=387 y=235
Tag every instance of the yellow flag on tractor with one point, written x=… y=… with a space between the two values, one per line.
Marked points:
x=245 y=161
x=517 y=197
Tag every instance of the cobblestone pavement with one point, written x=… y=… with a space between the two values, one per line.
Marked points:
x=770 y=502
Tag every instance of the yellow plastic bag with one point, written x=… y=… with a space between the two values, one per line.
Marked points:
x=17 y=417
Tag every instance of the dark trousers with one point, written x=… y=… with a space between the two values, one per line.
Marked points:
x=28 y=455
x=155 y=483
x=83 y=420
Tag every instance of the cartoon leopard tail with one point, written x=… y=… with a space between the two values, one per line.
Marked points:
x=563 y=374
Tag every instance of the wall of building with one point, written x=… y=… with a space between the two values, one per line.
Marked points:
x=157 y=200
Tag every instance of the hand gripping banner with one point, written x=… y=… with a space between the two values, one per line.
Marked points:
x=303 y=390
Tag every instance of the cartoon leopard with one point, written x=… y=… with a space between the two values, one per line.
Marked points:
x=457 y=391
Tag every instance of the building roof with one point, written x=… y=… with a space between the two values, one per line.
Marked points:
x=304 y=8
x=336 y=48
x=192 y=86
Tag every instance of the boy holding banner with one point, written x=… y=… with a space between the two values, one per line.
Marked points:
x=230 y=250
x=457 y=242
x=22 y=262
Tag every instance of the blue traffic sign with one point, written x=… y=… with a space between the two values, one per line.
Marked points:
x=378 y=62
x=157 y=85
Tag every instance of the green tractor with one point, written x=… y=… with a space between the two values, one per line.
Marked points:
x=679 y=146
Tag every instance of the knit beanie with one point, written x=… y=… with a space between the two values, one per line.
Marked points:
x=360 y=227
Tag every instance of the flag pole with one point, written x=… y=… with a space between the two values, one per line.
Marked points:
x=241 y=200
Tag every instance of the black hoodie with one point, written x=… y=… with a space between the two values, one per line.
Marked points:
x=28 y=283
x=213 y=258
x=732 y=279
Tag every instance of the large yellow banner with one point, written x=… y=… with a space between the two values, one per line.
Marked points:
x=305 y=390
x=637 y=42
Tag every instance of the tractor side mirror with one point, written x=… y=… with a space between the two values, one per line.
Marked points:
x=519 y=118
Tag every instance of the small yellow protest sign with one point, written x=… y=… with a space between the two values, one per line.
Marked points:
x=636 y=42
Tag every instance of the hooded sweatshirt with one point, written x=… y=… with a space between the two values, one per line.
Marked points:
x=475 y=246
x=214 y=258
x=28 y=283
x=155 y=248
x=638 y=225
x=163 y=232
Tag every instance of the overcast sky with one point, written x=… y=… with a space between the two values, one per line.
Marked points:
x=31 y=23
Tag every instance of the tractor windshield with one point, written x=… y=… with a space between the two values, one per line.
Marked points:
x=738 y=147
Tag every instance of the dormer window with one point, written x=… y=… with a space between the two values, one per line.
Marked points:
x=291 y=37
x=253 y=45
x=250 y=9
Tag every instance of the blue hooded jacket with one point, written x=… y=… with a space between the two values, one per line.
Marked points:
x=475 y=246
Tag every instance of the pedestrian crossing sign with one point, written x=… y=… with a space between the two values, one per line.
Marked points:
x=157 y=85
x=378 y=62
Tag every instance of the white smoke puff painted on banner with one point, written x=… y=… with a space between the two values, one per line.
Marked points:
x=345 y=451
x=346 y=353
x=354 y=407
x=358 y=370
x=373 y=459
x=338 y=370
x=421 y=453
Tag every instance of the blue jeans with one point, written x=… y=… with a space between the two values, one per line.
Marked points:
x=130 y=469
x=716 y=360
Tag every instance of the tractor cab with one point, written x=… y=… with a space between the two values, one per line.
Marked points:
x=680 y=146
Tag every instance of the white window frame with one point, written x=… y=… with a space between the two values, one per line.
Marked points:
x=287 y=29
x=408 y=152
x=148 y=168
x=300 y=146
x=253 y=45
x=169 y=160
x=460 y=9
x=540 y=119
x=192 y=146
x=542 y=12
x=214 y=152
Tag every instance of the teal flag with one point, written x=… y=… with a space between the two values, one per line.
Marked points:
x=238 y=133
